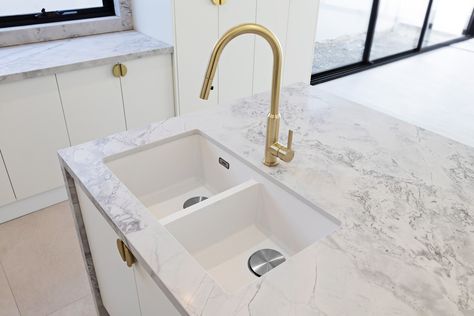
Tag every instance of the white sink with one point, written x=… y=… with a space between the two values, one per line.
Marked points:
x=246 y=210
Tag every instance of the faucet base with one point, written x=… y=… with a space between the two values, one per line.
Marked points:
x=270 y=164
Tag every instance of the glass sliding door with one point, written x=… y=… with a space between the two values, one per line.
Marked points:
x=341 y=33
x=353 y=35
x=399 y=26
x=448 y=20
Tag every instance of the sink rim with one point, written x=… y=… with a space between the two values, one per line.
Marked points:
x=191 y=132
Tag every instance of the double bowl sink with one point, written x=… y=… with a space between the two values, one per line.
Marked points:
x=246 y=210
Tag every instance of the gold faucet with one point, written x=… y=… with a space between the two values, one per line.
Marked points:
x=273 y=149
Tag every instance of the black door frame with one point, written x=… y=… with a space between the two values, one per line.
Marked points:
x=366 y=63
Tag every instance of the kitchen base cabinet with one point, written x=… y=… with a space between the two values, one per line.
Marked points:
x=40 y=115
x=92 y=102
x=148 y=90
x=116 y=281
x=125 y=291
x=152 y=300
x=32 y=129
x=6 y=191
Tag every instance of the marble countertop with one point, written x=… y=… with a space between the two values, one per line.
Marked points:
x=39 y=59
x=404 y=196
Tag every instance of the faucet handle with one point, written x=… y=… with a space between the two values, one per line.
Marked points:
x=290 y=139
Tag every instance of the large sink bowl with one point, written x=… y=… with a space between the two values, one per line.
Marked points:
x=246 y=209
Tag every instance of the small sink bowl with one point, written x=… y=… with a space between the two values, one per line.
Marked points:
x=166 y=174
x=246 y=209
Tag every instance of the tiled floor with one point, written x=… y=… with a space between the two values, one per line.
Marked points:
x=432 y=90
x=41 y=268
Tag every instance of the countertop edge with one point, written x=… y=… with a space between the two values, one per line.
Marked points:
x=160 y=48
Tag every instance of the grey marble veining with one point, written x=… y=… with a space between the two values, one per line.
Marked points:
x=404 y=196
x=32 y=60
x=123 y=21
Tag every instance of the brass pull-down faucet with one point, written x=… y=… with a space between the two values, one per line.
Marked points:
x=273 y=149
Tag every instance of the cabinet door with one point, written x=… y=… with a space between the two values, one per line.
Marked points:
x=196 y=27
x=152 y=299
x=274 y=16
x=32 y=129
x=148 y=90
x=302 y=20
x=236 y=66
x=6 y=192
x=116 y=280
x=92 y=101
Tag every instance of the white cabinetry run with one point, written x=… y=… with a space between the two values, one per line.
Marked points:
x=38 y=116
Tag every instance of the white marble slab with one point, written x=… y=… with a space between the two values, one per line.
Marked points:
x=32 y=60
x=434 y=90
x=404 y=196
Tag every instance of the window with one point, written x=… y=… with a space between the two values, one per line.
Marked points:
x=27 y=12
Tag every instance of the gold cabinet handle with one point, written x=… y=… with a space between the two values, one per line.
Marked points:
x=218 y=2
x=119 y=70
x=125 y=253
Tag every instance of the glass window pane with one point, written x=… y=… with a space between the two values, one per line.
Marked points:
x=398 y=27
x=341 y=33
x=448 y=20
x=17 y=7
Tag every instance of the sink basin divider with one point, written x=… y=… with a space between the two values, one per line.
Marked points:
x=203 y=204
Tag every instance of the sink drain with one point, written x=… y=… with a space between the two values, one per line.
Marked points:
x=191 y=201
x=262 y=261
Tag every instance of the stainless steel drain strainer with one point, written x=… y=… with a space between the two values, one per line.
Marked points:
x=191 y=201
x=262 y=261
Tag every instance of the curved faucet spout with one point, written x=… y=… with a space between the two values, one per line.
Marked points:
x=273 y=149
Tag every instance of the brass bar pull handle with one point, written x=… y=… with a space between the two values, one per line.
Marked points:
x=290 y=139
x=125 y=253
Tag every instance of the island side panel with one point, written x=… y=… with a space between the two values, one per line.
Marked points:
x=83 y=241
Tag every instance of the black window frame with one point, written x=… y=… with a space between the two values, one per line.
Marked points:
x=45 y=16
x=367 y=63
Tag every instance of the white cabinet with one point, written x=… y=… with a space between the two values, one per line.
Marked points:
x=302 y=21
x=148 y=90
x=153 y=301
x=32 y=129
x=41 y=115
x=92 y=102
x=97 y=104
x=116 y=280
x=125 y=291
x=274 y=16
x=236 y=66
x=6 y=191
x=196 y=31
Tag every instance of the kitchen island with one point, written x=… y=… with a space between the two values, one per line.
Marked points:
x=404 y=198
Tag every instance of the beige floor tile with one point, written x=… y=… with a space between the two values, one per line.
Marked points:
x=41 y=258
x=7 y=302
x=83 y=307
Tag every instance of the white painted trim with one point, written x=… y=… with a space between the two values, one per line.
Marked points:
x=32 y=204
